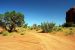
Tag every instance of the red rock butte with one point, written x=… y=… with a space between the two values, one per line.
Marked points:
x=70 y=16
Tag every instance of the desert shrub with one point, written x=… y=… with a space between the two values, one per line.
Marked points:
x=57 y=29
x=47 y=27
x=38 y=27
x=11 y=20
x=35 y=27
x=22 y=34
x=69 y=33
x=25 y=26
x=60 y=25
x=54 y=29
x=70 y=28
x=1 y=30
x=5 y=33
x=29 y=27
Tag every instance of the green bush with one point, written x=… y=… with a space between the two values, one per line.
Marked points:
x=47 y=27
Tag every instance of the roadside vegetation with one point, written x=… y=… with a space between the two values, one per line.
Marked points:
x=9 y=21
x=13 y=21
x=47 y=27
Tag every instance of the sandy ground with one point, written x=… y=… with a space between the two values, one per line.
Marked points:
x=35 y=41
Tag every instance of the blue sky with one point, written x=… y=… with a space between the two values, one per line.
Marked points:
x=37 y=11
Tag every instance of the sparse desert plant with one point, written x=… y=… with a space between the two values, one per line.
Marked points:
x=70 y=28
x=22 y=34
x=29 y=27
x=37 y=29
x=1 y=30
x=57 y=29
x=54 y=29
x=47 y=27
x=25 y=26
x=5 y=33
x=69 y=33
x=34 y=26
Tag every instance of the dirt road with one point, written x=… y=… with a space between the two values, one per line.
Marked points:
x=35 y=41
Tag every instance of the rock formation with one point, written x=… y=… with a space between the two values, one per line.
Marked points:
x=70 y=16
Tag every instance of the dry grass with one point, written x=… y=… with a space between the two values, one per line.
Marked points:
x=31 y=40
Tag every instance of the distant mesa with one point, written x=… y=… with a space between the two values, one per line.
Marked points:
x=70 y=16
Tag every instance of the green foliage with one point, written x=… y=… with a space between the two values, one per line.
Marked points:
x=11 y=20
x=47 y=27
x=2 y=24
